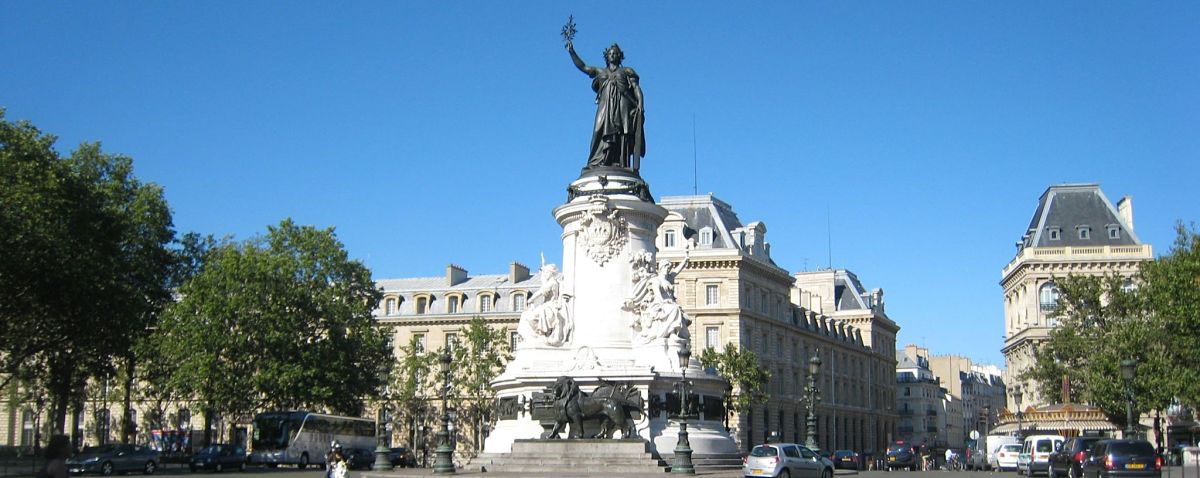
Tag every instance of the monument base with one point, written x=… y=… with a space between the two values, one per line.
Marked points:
x=572 y=456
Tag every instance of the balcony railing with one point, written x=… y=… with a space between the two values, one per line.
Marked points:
x=1143 y=251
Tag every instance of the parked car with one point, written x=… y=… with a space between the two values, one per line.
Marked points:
x=109 y=459
x=1122 y=459
x=1068 y=460
x=786 y=460
x=219 y=457
x=1035 y=453
x=359 y=458
x=901 y=455
x=847 y=459
x=402 y=457
x=1005 y=458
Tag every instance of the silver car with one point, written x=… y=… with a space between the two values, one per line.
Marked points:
x=786 y=460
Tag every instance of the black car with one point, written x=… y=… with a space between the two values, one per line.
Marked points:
x=847 y=459
x=1068 y=459
x=219 y=458
x=1122 y=459
x=402 y=457
x=359 y=458
x=109 y=459
x=901 y=456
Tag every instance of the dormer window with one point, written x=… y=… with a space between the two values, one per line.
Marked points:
x=706 y=236
x=669 y=239
x=452 y=305
x=1085 y=232
x=518 y=301
x=1114 y=232
x=1055 y=233
x=390 y=306
x=485 y=302
x=422 y=304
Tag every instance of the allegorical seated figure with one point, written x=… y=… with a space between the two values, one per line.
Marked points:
x=548 y=320
x=657 y=314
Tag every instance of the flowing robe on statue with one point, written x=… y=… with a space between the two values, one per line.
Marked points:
x=618 y=138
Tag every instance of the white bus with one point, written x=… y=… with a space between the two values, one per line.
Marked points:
x=303 y=438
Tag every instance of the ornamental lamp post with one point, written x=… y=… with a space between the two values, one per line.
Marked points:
x=814 y=396
x=382 y=461
x=1017 y=396
x=1128 y=370
x=444 y=464
x=683 y=449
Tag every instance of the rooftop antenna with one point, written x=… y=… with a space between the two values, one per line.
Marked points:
x=695 y=164
x=829 y=235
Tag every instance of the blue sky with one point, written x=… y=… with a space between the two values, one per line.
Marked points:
x=431 y=133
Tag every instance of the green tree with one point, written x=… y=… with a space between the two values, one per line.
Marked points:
x=1102 y=320
x=413 y=379
x=84 y=264
x=746 y=376
x=479 y=357
x=279 y=322
x=1171 y=292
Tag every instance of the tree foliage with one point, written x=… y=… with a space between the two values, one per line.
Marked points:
x=747 y=377
x=479 y=357
x=1171 y=293
x=281 y=321
x=84 y=261
x=1150 y=318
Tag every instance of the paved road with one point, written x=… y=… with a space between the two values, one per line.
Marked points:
x=291 y=472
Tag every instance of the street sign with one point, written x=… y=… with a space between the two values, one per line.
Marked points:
x=974 y=434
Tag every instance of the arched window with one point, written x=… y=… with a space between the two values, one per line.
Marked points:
x=103 y=425
x=518 y=301
x=390 y=306
x=1048 y=296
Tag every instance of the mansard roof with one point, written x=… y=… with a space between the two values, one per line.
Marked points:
x=702 y=211
x=1069 y=207
x=438 y=284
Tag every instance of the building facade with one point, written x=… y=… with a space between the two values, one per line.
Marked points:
x=976 y=390
x=919 y=399
x=1074 y=230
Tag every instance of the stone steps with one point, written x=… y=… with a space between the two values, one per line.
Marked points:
x=611 y=456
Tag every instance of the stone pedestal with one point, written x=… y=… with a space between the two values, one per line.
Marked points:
x=608 y=222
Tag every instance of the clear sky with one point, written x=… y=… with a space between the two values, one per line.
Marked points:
x=431 y=133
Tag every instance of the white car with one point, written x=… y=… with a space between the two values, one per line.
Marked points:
x=785 y=460
x=1005 y=457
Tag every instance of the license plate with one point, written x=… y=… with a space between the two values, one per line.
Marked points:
x=1135 y=466
x=845 y=459
x=891 y=458
x=756 y=471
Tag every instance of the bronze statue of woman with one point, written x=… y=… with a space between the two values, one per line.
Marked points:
x=618 y=138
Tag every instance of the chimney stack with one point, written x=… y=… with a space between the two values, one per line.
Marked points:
x=1125 y=208
x=455 y=274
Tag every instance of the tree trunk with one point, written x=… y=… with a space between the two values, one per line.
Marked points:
x=208 y=415
x=61 y=377
x=128 y=428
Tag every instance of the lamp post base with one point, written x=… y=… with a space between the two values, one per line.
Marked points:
x=683 y=454
x=444 y=465
x=382 y=461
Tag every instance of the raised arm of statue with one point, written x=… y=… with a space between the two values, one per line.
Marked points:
x=587 y=70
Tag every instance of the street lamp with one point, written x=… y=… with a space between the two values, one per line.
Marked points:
x=987 y=419
x=382 y=461
x=814 y=396
x=683 y=449
x=1128 y=369
x=444 y=464
x=1017 y=395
